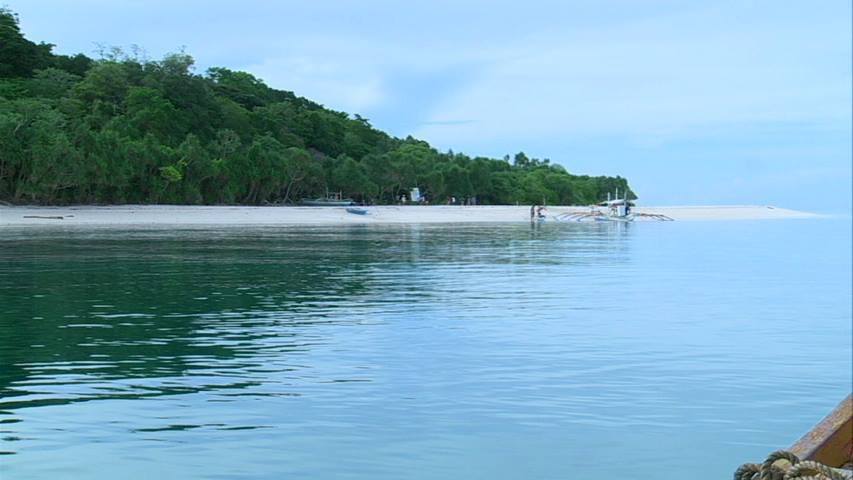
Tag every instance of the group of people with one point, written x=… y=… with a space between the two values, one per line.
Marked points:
x=537 y=212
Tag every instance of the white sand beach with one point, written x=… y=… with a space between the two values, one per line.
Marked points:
x=155 y=215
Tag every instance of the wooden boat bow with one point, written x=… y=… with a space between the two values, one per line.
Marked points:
x=830 y=442
x=825 y=453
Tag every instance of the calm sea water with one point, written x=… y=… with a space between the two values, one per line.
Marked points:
x=422 y=352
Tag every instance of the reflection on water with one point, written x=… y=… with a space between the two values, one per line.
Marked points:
x=417 y=351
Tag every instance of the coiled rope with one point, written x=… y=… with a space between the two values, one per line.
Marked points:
x=784 y=465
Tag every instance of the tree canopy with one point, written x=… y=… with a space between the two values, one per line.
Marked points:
x=121 y=129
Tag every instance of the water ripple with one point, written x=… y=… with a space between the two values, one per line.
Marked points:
x=432 y=351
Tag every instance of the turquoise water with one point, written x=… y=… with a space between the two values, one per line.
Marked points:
x=423 y=352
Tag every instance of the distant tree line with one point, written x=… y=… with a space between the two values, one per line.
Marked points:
x=122 y=129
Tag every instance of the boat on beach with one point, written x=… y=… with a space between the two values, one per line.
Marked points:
x=357 y=210
x=619 y=210
x=334 y=200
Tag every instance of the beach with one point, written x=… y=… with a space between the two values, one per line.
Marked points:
x=279 y=215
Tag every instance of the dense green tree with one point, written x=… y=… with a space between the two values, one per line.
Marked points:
x=19 y=57
x=457 y=183
x=76 y=65
x=350 y=178
x=127 y=129
x=105 y=82
x=52 y=83
x=148 y=112
x=303 y=175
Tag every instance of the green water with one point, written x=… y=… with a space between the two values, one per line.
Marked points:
x=558 y=351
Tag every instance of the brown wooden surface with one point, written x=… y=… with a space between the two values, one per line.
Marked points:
x=831 y=441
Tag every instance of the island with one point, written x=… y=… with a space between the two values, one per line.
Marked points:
x=122 y=129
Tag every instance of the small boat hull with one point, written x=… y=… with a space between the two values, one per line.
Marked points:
x=613 y=218
x=320 y=202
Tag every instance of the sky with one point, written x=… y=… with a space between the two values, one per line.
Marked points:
x=723 y=102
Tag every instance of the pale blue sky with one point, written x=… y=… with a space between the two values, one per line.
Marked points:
x=695 y=102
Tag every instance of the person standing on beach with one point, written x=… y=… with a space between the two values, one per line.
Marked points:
x=532 y=212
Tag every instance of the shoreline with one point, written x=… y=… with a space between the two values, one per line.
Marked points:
x=174 y=215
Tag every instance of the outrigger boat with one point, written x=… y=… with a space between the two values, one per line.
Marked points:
x=615 y=210
x=334 y=200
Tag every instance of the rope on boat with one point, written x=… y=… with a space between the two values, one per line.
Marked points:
x=784 y=465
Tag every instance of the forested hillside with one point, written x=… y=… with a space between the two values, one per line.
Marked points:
x=121 y=129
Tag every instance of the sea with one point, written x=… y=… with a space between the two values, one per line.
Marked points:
x=655 y=350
